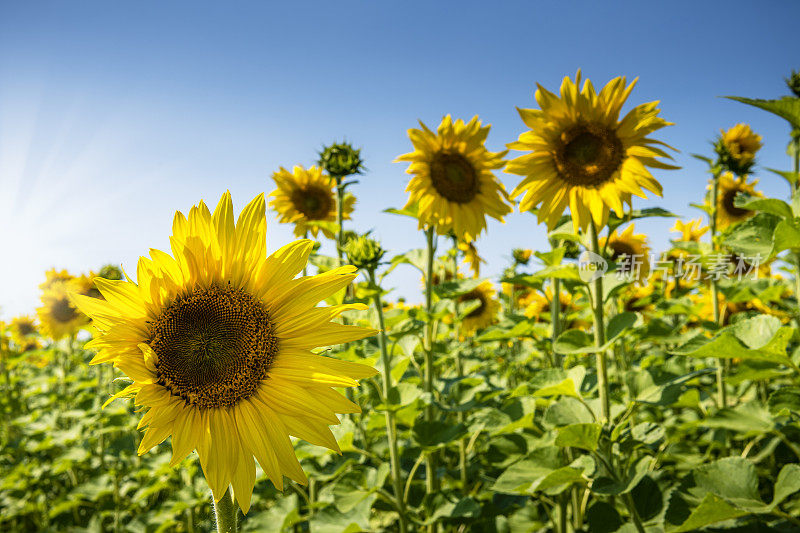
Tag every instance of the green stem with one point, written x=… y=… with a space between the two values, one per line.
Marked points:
x=225 y=513
x=431 y=480
x=391 y=429
x=340 y=219
x=637 y=521
x=600 y=333
x=722 y=393
x=555 y=318
x=461 y=416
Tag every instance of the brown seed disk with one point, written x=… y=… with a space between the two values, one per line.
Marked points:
x=454 y=177
x=214 y=346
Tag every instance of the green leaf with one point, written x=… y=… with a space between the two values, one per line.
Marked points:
x=785 y=237
x=787 y=108
x=567 y=411
x=788 y=175
x=753 y=237
x=583 y=436
x=435 y=434
x=711 y=510
x=452 y=289
x=726 y=345
x=634 y=474
x=788 y=483
x=784 y=401
x=732 y=478
x=620 y=323
x=574 y=341
x=412 y=211
x=648 y=498
x=745 y=418
x=771 y=206
x=520 y=476
x=756 y=332
x=603 y=518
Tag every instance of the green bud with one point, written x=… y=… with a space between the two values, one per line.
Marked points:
x=521 y=257
x=340 y=160
x=793 y=82
x=111 y=272
x=364 y=253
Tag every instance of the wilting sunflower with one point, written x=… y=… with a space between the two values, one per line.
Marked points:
x=485 y=314
x=583 y=156
x=690 y=231
x=453 y=186
x=629 y=250
x=23 y=329
x=304 y=197
x=729 y=189
x=218 y=340
x=471 y=257
x=737 y=148
x=58 y=316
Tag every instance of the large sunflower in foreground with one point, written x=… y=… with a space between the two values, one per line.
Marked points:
x=305 y=198
x=58 y=316
x=485 y=313
x=583 y=156
x=729 y=188
x=453 y=186
x=218 y=341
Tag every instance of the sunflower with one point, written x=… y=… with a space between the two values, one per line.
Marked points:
x=305 y=198
x=737 y=148
x=453 y=186
x=53 y=277
x=471 y=257
x=629 y=250
x=218 y=342
x=58 y=316
x=86 y=286
x=486 y=311
x=536 y=303
x=690 y=231
x=637 y=297
x=23 y=329
x=583 y=157
x=729 y=189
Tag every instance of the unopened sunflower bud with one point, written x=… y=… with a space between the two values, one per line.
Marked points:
x=341 y=159
x=364 y=253
x=521 y=257
x=111 y=272
x=737 y=149
x=793 y=82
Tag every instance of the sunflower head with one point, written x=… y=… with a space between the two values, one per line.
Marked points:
x=364 y=253
x=690 y=231
x=453 y=186
x=53 y=277
x=583 y=156
x=729 y=188
x=521 y=256
x=630 y=250
x=485 y=314
x=306 y=198
x=340 y=160
x=217 y=339
x=471 y=257
x=793 y=82
x=23 y=329
x=737 y=149
x=58 y=317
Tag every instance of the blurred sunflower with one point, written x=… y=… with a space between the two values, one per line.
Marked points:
x=729 y=189
x=690 y=231
x=23 y=329
x=471 y=257
x=583 y=156
x=485 y=313
x=453 y=186
x=637 y=297
x=218 y=340
x=85 y=285
x=305 y=198
x=58 y=317
x=737 y=148
x=629 y=250
x=537 y=303
x=53 y=277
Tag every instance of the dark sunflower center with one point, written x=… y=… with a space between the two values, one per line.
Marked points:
x=474 y=295
x=620 y=250
x=63 y=311
x=25 y=328
x=588 y=155
x=454 y=177
x=313 y=202
x=727 y=201
x=214 y=346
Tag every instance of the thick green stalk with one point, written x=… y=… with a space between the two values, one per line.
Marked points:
x=722 y=393
x=461 y=416
x=340 y=219
x=600 y=333
x=391 y=428
x=431 y=480
x=225 y=513
x=555 y=318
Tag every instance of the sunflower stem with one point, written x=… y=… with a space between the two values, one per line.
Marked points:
x=722 y=393
x=431 y=481
x=461 y=416
x=600 y=333
x=391 y=429
x=555 y=319
x=225 y=513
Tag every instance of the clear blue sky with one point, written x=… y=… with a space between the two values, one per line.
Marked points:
x=115 y=114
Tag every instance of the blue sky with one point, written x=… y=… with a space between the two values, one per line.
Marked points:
x=115 y=114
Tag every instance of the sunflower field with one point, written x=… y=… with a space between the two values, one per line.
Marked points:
x=235 y=384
